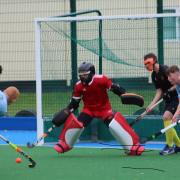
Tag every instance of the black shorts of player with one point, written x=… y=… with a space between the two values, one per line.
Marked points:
x=171 y=105
x=86 y=119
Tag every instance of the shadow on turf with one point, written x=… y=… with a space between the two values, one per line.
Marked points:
x=144 y=168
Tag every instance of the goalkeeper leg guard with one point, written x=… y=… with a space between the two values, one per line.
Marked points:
x=125 y=135
x=70 y=133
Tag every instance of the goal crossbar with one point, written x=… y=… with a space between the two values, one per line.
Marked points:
x=92 y=18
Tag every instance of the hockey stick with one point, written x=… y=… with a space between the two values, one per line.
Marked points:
x=31 y=145
x=19 y=150
x=162 y=131
x=138 y=118
x=61 y=114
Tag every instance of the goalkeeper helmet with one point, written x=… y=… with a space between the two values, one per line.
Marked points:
x=86 y=72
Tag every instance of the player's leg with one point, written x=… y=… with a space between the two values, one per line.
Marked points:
x=176 y=138
x=168 y=149
x=124 y=134
x=85 y=118
x=171 y=135
x=71 y=132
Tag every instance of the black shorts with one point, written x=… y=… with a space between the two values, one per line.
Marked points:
x=171 y=106
x=86 y=119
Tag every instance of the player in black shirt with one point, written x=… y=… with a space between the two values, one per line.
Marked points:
x=168 y=92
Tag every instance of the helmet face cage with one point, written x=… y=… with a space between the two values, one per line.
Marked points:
x=86 y=71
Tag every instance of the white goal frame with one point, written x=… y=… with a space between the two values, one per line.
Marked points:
x=40 y=126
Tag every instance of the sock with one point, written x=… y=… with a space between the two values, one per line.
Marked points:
x=169 y=134
x=176 y=138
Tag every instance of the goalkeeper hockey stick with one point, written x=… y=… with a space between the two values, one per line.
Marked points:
x=141 y=116
x=19 y=150
x=32 y=145
x=162 y=131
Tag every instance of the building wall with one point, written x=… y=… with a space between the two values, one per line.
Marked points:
x=17 y=47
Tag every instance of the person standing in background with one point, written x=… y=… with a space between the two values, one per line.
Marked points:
x=165 y=90
x=173 y=73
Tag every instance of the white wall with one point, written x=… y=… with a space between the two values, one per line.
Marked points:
x=17 y=37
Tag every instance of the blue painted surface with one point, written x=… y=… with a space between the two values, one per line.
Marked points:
x=114 y=144
x=18 y=137
x=22 y=137
x=18 y=123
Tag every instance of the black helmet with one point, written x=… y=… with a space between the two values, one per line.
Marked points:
x=86 y=69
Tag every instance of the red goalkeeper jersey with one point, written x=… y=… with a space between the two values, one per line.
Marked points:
x=94 y=95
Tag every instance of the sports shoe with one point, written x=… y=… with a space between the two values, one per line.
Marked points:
x=167 y=150
x=176 y=149
x=136 y=150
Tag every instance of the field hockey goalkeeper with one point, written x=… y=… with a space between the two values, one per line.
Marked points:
x=92 y=90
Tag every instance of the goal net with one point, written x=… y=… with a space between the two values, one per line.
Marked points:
x=121 y=41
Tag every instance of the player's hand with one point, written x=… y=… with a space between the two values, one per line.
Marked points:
x=175 y=118
x=148 y=109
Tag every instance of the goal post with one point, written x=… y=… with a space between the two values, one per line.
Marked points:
x=40 y=123
x=126 y=39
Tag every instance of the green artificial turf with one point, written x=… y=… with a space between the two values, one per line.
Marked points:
x=88 y=164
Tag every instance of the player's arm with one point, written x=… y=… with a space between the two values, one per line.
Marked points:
x=157 y=96
x=74 y=103
x=127 y=98
x=61 y=116
x=3 y=104
x=173 y=88
x=177 y=113
x=117 y=89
